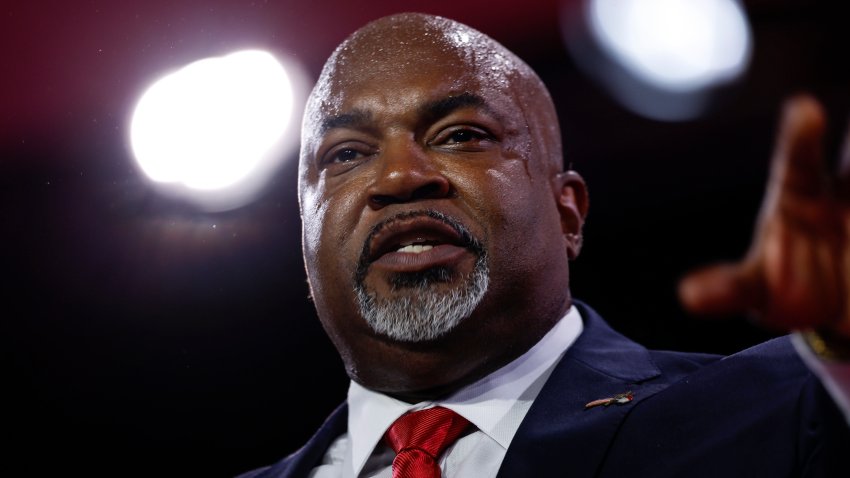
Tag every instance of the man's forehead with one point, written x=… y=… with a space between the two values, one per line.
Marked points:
x=424 y=33
x=407 y=49
x=416 y=90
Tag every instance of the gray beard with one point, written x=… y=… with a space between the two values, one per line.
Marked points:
x=423 y=313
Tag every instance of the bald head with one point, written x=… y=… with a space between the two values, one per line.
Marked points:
x=409 y=44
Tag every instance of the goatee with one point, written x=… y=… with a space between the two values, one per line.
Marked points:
x=423 y=310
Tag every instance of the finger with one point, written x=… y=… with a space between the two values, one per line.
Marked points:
x=798 y=163
x=721 y=290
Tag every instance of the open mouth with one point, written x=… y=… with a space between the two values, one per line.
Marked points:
x=417 y=241
x=411 y=235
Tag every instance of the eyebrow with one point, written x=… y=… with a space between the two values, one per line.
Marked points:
x=354 y=119
x=433 y=110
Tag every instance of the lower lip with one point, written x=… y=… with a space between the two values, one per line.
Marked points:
x=439 y=255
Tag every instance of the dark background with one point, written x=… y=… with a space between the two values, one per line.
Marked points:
x=142 y=341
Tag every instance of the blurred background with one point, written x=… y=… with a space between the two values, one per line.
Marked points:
x=149 y=334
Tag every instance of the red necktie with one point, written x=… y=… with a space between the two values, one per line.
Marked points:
x=418 y=438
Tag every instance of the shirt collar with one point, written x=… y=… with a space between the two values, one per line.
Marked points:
x=495 y=404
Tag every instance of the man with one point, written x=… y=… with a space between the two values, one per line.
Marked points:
x=438 y=225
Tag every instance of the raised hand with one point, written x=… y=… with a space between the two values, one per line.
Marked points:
x=796 y=274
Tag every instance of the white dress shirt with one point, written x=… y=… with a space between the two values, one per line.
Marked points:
x=495 y=405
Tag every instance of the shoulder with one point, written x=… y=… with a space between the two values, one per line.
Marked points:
x=603 y=348
x=767 y=382
x=774 y=360
x=759 y=411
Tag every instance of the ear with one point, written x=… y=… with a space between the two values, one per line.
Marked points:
x=571 y=197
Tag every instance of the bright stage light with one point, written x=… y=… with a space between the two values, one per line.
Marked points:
x=679 y=45
x=213 y=130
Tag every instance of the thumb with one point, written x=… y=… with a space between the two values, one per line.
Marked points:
x=720 y=290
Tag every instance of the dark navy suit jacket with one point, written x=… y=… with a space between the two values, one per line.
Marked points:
x=758 y=413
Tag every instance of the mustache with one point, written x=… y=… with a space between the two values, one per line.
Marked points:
x=467 y=239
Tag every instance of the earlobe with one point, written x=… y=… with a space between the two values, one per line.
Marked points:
x=572 y=199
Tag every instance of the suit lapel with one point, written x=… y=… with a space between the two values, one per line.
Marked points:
x=300 y=463
x=558 y=429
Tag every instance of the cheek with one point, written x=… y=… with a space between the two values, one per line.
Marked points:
x=330 y=217
x=329 y=268
x=511 y=187
x=311 y=225
x=524 y=225
x=510 y=197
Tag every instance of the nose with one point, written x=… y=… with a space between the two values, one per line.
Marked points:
x=406 y=174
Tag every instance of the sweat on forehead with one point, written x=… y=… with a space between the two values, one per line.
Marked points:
x=412 y=43
x=427 y=38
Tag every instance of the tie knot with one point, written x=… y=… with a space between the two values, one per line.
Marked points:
x=431 y=430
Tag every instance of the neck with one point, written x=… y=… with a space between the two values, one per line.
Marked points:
x=430 y=371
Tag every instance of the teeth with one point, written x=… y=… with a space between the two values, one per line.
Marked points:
x=415 y=249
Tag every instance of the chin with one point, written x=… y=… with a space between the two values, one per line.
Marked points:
x=423 y=306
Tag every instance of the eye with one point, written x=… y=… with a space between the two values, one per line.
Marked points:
x=347 y=153
x=463 y=137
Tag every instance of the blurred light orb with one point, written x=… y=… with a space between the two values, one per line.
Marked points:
x=678 y=45
x=214 y=124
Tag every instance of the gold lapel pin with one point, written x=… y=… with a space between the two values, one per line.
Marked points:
x=619 y=399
